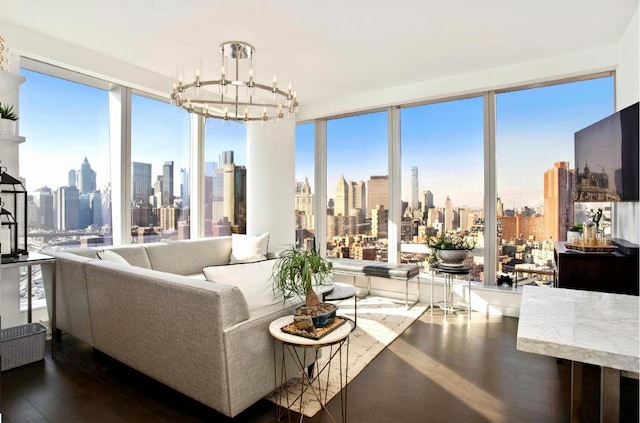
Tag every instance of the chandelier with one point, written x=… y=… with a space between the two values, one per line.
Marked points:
x=232 y=98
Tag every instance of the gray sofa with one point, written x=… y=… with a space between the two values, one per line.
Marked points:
x=158 y=315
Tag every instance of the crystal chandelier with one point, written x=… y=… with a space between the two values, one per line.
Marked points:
x=235 y=99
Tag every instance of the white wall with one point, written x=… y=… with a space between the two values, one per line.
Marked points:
x=627 y=215
x=271 y=182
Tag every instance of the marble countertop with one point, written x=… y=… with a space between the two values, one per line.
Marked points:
x=585 y=326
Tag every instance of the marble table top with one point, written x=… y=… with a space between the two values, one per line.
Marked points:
x=585 y=326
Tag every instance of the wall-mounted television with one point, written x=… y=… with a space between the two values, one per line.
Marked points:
x=606 y=158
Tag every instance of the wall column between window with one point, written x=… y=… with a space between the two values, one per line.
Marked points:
x=395 y=185
x=320 y=188
x=196 y=177
x=120 y=145
x=490 y=191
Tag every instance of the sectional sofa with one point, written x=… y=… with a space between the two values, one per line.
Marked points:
x=150 y=307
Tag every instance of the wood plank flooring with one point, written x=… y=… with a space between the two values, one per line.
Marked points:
x=439 y=370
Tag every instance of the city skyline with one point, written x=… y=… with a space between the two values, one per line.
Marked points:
x=448 y=154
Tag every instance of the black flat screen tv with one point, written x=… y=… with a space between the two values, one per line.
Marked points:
x=606 y=158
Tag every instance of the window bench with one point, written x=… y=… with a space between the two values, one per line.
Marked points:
x=378 y=269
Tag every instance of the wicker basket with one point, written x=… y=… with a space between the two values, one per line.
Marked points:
x=22 y=345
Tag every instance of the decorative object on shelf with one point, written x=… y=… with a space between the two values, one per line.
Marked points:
x=235 y=99
x=8 y=119
x=4 y=56
x=294 y=274
x=449 y=249
x=13 y=216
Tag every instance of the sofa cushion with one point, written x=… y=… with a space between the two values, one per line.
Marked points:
x=107 y=255
x=253 y=280
x=188 y=257
x=248 y=249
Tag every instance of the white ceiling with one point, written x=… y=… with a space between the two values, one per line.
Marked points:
x=331 y=48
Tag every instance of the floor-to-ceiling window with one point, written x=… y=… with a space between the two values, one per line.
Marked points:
x=536 y=171
x=358 y=187
x=65 y=165
x=442 y=176
x=305 y=195
x=225 y=178
x=160 y=188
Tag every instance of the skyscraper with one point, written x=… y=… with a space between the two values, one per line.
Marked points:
x=428 y=200
x=378 y=193
x=72 y=178
x=558 y=201
x=86 y=178
x=167 y=183
x=415 y=200
x=68 y=205
x=358 y=197
x=304 y=204
x=449 y=217
x=43 y=199
x=140 y=182
x=342 y=204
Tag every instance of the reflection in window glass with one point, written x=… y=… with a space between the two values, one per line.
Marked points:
x=225 y=175
x=357 y=187
x=442 y=176
x=305 y=220
x=536 y=170
x=159 y=171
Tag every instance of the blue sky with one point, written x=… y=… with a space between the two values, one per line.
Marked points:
x=64 y=122
x=535 y=129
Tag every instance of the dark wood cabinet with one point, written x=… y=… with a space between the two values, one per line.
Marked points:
x=607 y=272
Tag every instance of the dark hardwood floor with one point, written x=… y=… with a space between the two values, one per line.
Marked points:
x=438 y=370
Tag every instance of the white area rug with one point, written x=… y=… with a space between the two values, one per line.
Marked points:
x=380 y=321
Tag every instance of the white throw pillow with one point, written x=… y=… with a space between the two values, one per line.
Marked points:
x=253 y=280
x=107 y=255
x=248 y=249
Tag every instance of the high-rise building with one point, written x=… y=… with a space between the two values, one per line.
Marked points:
x=95 y=204
x=185 y=194
x=84 y=211
x=499 y=207
x=140 y=183
x=304 y=204
x=449 y=216
x=558 y=201
x=68 y=205
x=342 y=204
x=377 y=193
x=428 y=200
x=43 y=200
x=72 y=178
x=167 y=183
x=226 y=157
x=358 y=198
x=379 y=222
x=86 y=178
x=415 y=200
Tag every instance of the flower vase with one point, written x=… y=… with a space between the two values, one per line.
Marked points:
x=451 y=258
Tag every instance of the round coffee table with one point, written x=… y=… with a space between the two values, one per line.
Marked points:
x=343 y=291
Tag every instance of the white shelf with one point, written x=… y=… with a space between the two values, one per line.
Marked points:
x=8 y=139
x=10 y=82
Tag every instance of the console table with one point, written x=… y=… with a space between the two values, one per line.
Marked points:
x=29 y=260
x=606 y=272
x=585 y=327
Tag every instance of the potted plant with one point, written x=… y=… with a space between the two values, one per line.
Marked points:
x=8 y=119
x=575 y=232
x=295 y=273
x=449 y=249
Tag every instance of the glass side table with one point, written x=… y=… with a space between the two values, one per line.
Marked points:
x=449 y=273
